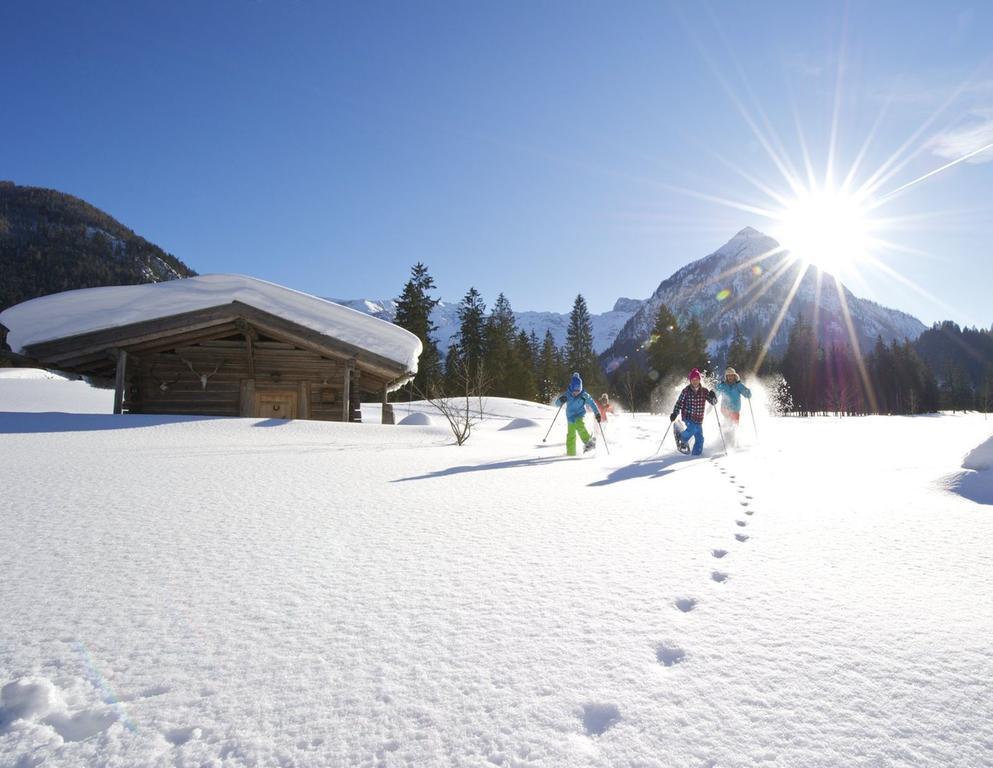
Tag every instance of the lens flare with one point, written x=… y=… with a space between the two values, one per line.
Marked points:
x=723 y=294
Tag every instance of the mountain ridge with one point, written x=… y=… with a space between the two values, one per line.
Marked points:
x=51 y=241
x=747 y=282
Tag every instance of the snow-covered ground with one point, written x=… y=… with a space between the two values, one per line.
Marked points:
x=229 y=592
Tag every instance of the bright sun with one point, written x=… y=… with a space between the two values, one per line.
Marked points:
x=825 y=227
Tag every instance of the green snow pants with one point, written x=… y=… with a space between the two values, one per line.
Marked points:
x=577 y=426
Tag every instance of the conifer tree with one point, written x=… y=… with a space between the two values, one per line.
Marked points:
x=694 y=347
x=579 y=354
x=524 y=386
x=471 y=338
x=737 y=356
x=500 y=350
x=664 y=345
x=550 y=374
x=800 y=365
x=413 y=312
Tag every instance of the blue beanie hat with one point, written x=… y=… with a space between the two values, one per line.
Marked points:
x=576 y=385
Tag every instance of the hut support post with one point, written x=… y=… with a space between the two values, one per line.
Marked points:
x=120 y=380
x=387 y=408
x=346 y=393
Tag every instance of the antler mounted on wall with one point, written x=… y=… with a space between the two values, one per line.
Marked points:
x=204 y=377
x=163 y=384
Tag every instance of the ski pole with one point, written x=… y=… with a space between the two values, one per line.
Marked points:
x=603 y=437
x=719 y=428
x=755 y=424
x=662 y=441
x=545 y=439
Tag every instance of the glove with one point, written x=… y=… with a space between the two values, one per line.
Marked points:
x=712 y=398
x=672 y=417
x=561 y=400
x=598 y=417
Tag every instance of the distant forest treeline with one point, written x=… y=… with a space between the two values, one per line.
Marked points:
x=946 y=368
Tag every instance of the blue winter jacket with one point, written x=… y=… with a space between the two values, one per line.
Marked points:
x=731 y=400
x=575 y=405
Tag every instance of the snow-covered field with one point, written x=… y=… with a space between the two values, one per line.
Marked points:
x=228 y=592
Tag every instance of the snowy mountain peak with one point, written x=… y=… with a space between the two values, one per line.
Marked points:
x=627 y=305
x=746 y=282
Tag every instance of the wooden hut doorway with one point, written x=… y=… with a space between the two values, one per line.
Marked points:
x=276 y=404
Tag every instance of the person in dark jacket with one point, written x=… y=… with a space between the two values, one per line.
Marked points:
x=691 y=406
x=577 y=400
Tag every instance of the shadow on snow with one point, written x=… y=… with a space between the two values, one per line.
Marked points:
x=511 y=464
x=15 y=423
x=650 y=468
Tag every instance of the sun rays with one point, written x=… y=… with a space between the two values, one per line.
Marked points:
x=829 y=218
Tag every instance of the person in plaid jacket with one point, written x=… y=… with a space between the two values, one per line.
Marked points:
x=690 y=406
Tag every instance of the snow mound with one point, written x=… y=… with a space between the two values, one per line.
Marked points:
x=975 y=482
x=981 y=457
x=93 y=309
x=520 y=423
x=32 y=390
x=418 y=419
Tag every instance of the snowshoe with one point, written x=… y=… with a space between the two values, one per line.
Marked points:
x=589 y=445
x=680 y=445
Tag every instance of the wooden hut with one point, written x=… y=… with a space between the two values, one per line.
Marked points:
x=219 y=345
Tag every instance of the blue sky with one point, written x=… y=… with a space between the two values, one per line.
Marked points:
x=539 y=149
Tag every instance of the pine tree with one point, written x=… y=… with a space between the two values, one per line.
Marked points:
x=500 y=351
x=737 y=356
x=694 y=347
x=471 y=338
x=550 y=374
x=664 y=351
x=579 y=354
x=524 y=386
x=413 y=312
x=800 y=364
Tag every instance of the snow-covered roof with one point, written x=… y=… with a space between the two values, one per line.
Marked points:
x=95 y=309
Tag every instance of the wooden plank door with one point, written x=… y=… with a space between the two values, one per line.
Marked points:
x=273 y=404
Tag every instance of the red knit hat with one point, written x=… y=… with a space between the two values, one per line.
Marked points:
x=695 y=374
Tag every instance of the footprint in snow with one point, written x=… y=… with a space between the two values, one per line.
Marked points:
x=743 y=502
x=719 y=576
x=597 y=718
x=179 y=736
x=718 y=553
x=685 y=604
x=669 y=655
x=740 y=523
x=741 y=537
x=749 y=511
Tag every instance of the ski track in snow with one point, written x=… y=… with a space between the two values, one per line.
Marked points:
x=237 y=592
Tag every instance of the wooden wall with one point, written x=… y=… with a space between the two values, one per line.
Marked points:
x=277 y=365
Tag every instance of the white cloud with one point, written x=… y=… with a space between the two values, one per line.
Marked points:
x=976 y=133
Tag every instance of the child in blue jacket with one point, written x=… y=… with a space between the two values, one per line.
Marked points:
x=577 y=400
x=732 y=389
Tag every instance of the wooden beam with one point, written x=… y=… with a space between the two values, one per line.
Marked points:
x=303 y=400
x=119 y=381
x=346 y=391
x=250 y=342
x=246 y=403
x=387 y=417
x=134 y=333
